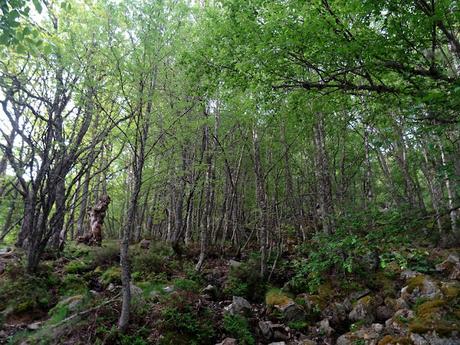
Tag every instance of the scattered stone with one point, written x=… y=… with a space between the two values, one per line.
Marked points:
x=278 y=343
x=239 y=306
x=234 y=263
x=34 y=326
x=432 y=338
x=136 y=291
x=384 y=312
x=169 y=289
x=72 y=302
x=420 y=286
x=291 y=312
x=266 y=330
x=408 y=274
x=154 y=295
x=337 y=313
x=363 y=311
x=228 y=341
x=325 y=328
x=398 y=322
x=367 y=335
x=111 y=287
x=210 y=291
x=450 y=266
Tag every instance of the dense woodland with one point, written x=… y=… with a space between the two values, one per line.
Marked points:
x=234 y=172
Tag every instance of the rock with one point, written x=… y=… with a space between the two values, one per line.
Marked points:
x=144 y=244
x=325 y=328
x=111 y=287
x=266 y=330
x=5 y=250
x=211 y=291
x=431 y=338
x=72 y=302
x=34 y=326
x=358 y=295
x=451 y=266
x=420 y=286
x=291 y=312
x=278 y=343
x=398 y=322
x=377 y=327
x=363 y=311
x=367 y=335
x=239 y=306
x=234 y=263
x=169 y=289
x=306 y=342
x=408 y=274
x=337 y=313
x=2 y=267
x=384 y=312
x=136 y=291
x=228 y=341
x=370 y=261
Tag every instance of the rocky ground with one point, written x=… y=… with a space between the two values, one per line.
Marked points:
x=76 y=300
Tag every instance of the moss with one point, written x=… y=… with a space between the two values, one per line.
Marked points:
x=430 y=309
x=442 y=327
x=415 y=282
x=391 y=340
x=451 y=290
x=277 y=297
x=111 y=275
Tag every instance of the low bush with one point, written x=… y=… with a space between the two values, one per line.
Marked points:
x=237 y=327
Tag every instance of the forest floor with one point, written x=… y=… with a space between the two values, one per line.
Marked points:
x=410 y=294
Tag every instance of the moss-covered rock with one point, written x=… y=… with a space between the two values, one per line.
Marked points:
x=111 y=275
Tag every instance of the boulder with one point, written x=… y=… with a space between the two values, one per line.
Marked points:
x=210 y=291
x=239 y=305
x=363 y=311
x=432 y=338
x=420 y=286
x=366 y=335
x=291 y=312
x=72 y=302
x=325 y=328
x=136 y=291
x=337 y=313
x=278 y=343
x=228 y=341
x=450 y=266
x=265 y=328
x=398 y=322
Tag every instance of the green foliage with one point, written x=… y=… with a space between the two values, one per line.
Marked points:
x=186 y=285
x=111 y=275
x=245 y=281
x=77 y=266
x=183 y=314
x=106 y=256
x=237 y=327
x=28 y=294
x=153 y=261
x=72 y=284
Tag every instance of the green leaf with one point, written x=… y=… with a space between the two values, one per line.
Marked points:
x=38 y=6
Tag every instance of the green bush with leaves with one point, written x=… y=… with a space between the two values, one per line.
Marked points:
x=185 y=315
x=245 y=281
x=237 y=327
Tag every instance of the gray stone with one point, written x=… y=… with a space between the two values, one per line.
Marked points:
x=431 y=338
x=266 y=330
x=239 y=306
x=228 y=341
x=169 y=289
x=72 y=302
x=234 y=263
x=291 y=312
x=325 y=328
x=363 y=311
x=278 y=343
x=34 y=326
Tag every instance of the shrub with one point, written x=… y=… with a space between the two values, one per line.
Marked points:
x=245 y=281
x=186 y=315
x=238 y=327
x=106 y=256
x=187 y=285
x=111 y=275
